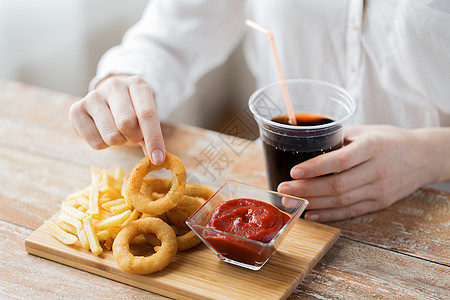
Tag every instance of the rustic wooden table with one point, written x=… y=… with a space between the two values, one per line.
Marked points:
x=401 y=252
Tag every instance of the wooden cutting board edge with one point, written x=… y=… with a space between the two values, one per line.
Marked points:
x=33 y=246
x=314 y=261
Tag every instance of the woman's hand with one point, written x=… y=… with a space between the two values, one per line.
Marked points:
x=121 y=109
x=378 y=166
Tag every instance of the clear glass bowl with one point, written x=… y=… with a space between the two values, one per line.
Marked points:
x=237 y=250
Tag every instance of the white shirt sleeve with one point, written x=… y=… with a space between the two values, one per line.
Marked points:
x=174 y=44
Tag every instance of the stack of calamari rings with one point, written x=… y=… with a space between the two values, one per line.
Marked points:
x=165 y=205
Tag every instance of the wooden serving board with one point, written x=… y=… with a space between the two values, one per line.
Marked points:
x=198 y=273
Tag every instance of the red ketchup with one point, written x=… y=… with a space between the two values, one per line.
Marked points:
x=249 y=218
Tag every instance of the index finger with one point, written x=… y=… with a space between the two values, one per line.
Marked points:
x=336 y=161
x=146 y=113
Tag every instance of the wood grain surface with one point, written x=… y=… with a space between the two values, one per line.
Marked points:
x=353 y=270
x=198 y=273
x=416 y=226
x=26 y=276
x=400 y=252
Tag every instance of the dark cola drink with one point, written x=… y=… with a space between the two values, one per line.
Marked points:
x=313 y=136
x=322 y=110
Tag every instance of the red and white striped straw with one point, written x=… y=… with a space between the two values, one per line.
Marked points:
x=287 y=98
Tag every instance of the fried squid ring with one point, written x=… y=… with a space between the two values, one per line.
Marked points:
x=145 y=264
x=185 y=208
x=162 y=217
x=197 y=190
x=170 y=200
x=185 y=241
x=155 y=185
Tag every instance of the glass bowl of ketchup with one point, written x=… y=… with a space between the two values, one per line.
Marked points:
x=244 y=225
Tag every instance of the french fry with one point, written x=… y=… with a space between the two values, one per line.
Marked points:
x=140 y=239
x=119 y=175
x=66 y=227
x=120 y=208
x=107 y=205
x=82 y=193
x=115 y=231
x=108 y=244
x=135 y=214
x=109 y=192
x=82 y=203
x=82 y=209
x=123 y=191
x=92 y=236
x=156 y=195
x=113 y=221
x=94 y=191
x=103 y=235
x=69 y=219
x=104 y=199
x=103 y=214
x=61 y=235
x=96 y=214
x=83 y=238
x=107 y=180
x=73 y=212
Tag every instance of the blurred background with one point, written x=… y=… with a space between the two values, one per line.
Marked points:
x=57 y=45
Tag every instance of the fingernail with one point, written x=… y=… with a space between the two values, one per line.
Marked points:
x=297 y=173
x=157 y=157
x=312 y=217
x=285 y=189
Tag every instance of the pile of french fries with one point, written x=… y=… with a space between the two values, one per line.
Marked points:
x=95 y=215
